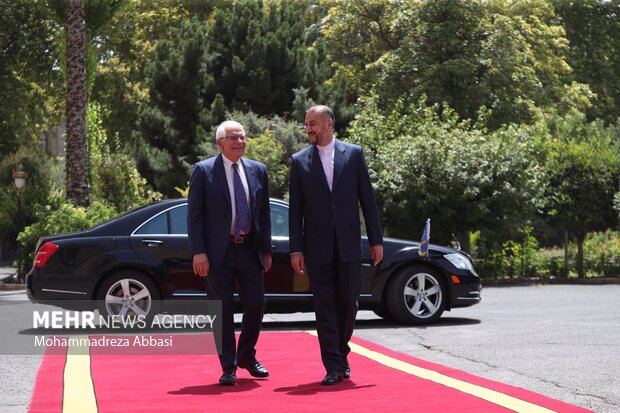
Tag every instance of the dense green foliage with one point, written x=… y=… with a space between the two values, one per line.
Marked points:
x=430 y=165
x=509 y=57
x=522 y=257
x=582 y=169
x=61 y=217
x=29 y=78
x=250 y=55
x=602 y=250
x=593 y=31
x=114 y=176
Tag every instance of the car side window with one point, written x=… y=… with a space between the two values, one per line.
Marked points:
x=279 y=221
x=178 y=220
x=158 y=225
x=172 y=222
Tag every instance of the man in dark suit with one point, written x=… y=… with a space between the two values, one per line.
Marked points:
x=229 y=228
x=329 y=181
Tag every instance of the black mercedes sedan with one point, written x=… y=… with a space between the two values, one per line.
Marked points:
x=140 y=260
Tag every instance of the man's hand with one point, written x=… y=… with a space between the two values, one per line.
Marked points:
x=376 y=253
x=201 y=265
x=267 y=259
x=297 y=262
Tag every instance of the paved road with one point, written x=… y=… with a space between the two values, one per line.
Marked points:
x=562 y=341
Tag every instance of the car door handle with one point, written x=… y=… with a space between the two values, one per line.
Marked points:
x=152 y=242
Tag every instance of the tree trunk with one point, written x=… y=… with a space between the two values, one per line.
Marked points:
x=76 y=168
x=565 y=271
x=580 y=269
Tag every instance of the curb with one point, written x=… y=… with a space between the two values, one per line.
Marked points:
x=12 y=287
x=550 y=281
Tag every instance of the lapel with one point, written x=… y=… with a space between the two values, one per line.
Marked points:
x=220 y=176
x=340 y=157
x=250 y=174
x=316 y=166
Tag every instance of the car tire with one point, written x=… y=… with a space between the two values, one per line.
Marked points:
x=416 y=295
x=128 y=293
x=383 y=312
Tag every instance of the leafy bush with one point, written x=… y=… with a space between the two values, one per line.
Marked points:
x=62 y=216
x=518 y=257
x=521 y=254
x=551 y=266
x=426 y=162
x=267 y=150
x=117 y=181
x=602 y=253
x=523 y=258
x=114 y=175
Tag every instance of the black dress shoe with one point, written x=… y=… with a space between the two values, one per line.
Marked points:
x=346 y=370
x=332 y=377
x=229 y=377
x=254 y=367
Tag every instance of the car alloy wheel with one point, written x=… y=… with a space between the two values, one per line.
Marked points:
x=416 y=295
x=129 y=294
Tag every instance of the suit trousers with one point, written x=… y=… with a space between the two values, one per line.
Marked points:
x=336 y=288
x=240 y=267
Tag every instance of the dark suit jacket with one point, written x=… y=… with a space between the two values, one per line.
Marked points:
x=316 y=213
x=209 y=214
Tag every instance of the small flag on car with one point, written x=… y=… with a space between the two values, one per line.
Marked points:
x=426 y=236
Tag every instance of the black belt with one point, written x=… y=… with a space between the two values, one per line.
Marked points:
x=241 y=239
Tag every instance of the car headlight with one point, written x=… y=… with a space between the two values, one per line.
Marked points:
x=460 y=261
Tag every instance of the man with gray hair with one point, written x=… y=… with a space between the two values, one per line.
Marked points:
x=229 y=229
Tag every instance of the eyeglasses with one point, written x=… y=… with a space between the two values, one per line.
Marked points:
x=234 y=138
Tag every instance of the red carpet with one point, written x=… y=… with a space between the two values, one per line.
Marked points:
x=188 y=383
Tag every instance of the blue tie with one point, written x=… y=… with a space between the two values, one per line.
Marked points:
x=242 y=212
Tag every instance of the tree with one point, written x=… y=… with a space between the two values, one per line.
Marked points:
x=593 y=30
x=29 y=73
x=582 y=166
x=260 y=54
x=427 y=163
x=250 y=56
x=368 y=43
x=76 y=145
x=76 y=15
x=125 y=46
x=114 y=176
x=183 y=108
x=449 y=43
x=509 y=57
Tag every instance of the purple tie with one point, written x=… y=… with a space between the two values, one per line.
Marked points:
x=242 y=212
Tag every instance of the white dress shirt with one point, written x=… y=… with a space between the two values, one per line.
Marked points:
x=230 y=176
x=326 y=153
